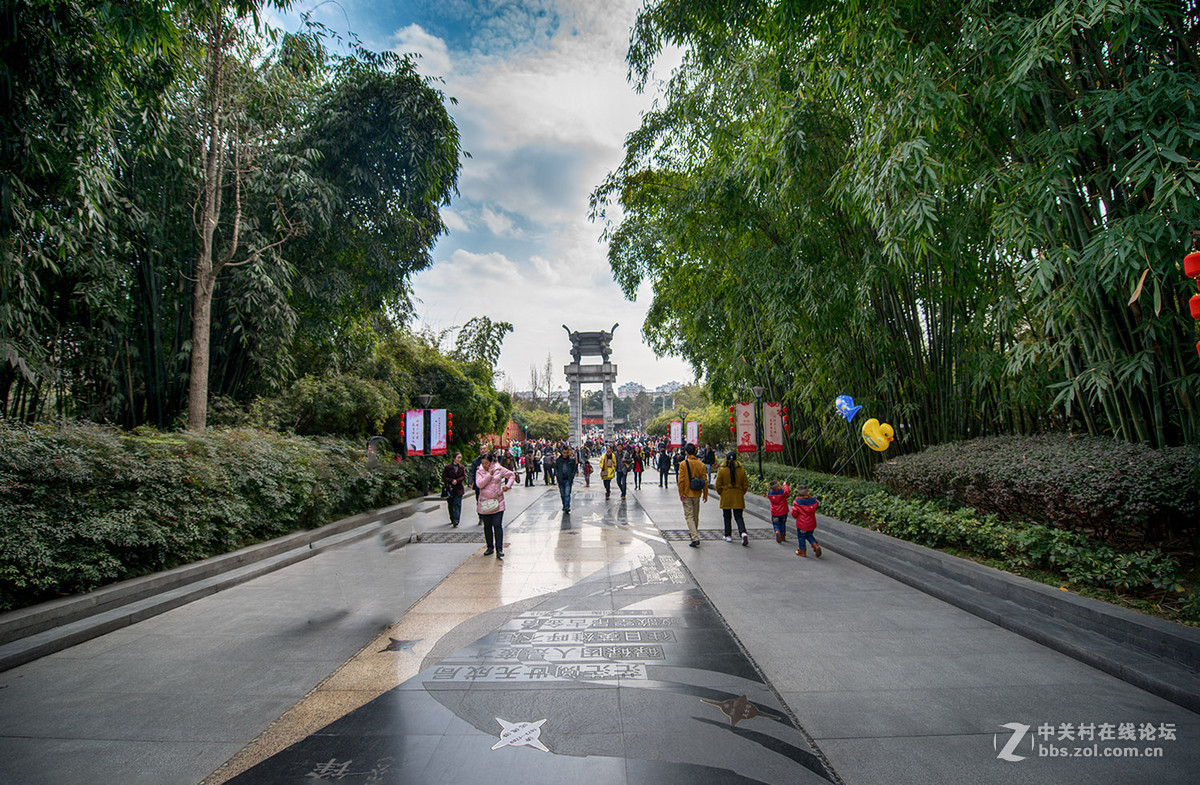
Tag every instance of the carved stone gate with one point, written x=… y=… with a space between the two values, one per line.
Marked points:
x=590 y=344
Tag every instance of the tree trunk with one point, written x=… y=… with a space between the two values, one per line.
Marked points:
x=198 y=376
x=210 y=214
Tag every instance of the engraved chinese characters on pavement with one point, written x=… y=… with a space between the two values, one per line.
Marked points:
x=564 y=646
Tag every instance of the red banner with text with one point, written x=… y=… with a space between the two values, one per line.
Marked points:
x=773 y=427
x=744 y=416
x=676 y=434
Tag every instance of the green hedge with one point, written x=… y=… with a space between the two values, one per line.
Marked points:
x=85 y=505
x=1114 y=489
x=1014 y=546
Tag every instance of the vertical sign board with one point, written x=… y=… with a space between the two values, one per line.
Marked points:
x=414 y=431
x=437 y=431
x=676 y=434
x=773 y=427
x=693 y=432
x=746 y=438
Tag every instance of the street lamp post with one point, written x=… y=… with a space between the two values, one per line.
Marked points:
x=758 y=391
x=425 y=401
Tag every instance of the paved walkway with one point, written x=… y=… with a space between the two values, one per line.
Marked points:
x=602 y=649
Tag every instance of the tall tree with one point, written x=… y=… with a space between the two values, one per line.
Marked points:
x=480 y=340
x=71 y=72
x=235 y=134
x=942 y=210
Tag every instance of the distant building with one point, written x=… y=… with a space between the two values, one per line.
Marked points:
x=668 y=388
x=630 y=389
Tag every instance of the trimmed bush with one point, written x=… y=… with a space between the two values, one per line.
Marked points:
x=1112 y=488
x=1016 y=546
x=85 y=505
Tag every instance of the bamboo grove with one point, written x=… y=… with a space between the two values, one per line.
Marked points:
x=971 y=216
x=196 y=205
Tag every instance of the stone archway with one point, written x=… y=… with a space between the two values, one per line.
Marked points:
x=590 y=344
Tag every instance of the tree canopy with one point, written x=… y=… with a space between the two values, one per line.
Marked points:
x=165 y=163
x=969 y=216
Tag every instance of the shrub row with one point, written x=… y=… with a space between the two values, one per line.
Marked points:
x=85 y=505
x=1113 y=488
x=1079 y=559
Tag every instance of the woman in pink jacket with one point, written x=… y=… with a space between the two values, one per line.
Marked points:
x=492 y=480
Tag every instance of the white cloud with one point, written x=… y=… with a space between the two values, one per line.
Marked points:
x=498 y=224
x=454 y=221
x=544 y=123
x=434 y=54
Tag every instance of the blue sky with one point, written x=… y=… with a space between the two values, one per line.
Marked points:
x=543 y=109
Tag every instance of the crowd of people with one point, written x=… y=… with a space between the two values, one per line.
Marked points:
x=691 y=468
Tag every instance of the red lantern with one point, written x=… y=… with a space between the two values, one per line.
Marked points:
x=1194 y=304
x=731 y=429
x=731 y=410
x=1191 y=264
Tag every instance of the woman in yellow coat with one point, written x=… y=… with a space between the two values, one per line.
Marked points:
x=732 y=484
x=608 y=470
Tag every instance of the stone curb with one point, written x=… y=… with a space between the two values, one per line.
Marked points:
x=30 y=633
x=1150 y=653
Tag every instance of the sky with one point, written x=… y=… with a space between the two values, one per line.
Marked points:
x=543 y=109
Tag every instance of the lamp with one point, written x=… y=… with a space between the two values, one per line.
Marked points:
x=758 y=391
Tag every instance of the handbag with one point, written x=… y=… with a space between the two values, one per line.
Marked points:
x=695 y=483
x=489 y=506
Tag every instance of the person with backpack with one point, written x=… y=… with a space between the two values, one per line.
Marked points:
x=692 y=488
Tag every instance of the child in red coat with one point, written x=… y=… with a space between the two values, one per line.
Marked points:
x=804 y=510
x=779 y=508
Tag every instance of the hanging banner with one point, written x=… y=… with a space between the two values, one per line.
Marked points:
x=693 y=432
x=773 y=427
x=437 y=431
x=414 y=431
x=746 y=438
x=676 y=434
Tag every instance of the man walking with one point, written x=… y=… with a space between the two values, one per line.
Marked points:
x=624 y=466
x=664 y=466
x=483 y=449
x=693 y=486
x=565 y=468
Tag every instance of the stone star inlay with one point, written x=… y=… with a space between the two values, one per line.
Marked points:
x=520 y=734
x=738 y=709
x=396 y=645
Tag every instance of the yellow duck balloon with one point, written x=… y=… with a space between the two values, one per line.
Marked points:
x=878 y=436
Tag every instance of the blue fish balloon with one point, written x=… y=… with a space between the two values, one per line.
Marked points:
x=845 y=405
